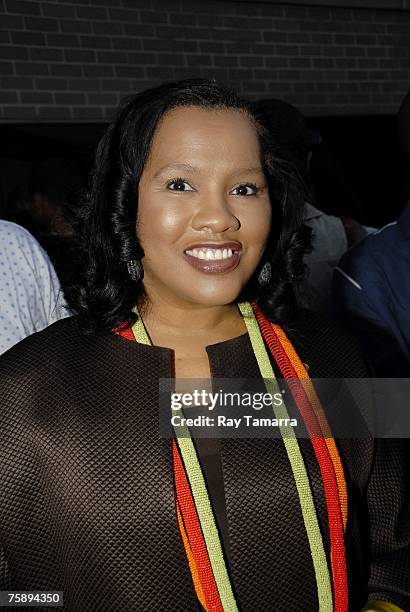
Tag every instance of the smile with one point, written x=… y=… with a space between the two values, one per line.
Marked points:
x=214 y=259
x=210 y=254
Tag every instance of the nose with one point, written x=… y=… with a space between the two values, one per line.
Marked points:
x=213 y=212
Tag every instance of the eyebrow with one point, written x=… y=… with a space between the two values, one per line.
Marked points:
x=183 y=167
x=254 y=170
x=193 y=170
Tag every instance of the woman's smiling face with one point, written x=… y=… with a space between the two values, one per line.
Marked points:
x=204 y=213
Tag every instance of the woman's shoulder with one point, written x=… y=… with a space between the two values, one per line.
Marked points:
x=46 y=351
x=328 y=349
x=48 y=372
x=63 y=331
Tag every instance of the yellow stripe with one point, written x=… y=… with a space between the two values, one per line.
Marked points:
x=139 y=330
x=295 y=457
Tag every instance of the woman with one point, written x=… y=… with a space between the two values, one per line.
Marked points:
x=188 y=214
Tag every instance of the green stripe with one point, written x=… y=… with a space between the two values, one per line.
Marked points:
x=297 y=464
x=201 y=498
x=139 y=330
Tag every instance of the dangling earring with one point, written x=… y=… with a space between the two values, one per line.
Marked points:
x=265 y=274
x=135 y=270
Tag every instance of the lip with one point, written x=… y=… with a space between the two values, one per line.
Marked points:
x=220 y=266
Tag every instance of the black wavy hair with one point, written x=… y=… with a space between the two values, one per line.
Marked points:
x=105 y=214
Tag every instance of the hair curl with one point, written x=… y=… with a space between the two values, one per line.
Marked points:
x=105 y=214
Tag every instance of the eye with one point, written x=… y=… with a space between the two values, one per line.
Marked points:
x=179 y=184
x=246 y=189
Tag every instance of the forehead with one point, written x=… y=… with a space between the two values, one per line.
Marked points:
x=223 y=138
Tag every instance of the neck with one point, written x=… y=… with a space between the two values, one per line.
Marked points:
x=163 y=317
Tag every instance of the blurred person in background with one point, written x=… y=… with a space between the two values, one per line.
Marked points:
x=321 y=172
x=30 y=294
x=371 y=286
x=40 y=206
x=328 y=210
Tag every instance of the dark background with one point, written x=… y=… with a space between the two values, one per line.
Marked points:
x=65 y=66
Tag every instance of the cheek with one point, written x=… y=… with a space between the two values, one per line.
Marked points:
x=258 y=223
x=158 y=224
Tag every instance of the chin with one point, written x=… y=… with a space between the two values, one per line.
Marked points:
x=220 y=297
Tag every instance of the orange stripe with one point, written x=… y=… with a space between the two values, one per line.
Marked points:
x=317 y=407
x=195 y=536
x=191 y=560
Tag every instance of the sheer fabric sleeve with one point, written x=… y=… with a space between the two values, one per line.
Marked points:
x=5 y=578
x=388 y=502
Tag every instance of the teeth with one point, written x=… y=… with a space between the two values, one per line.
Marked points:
x=211 y=254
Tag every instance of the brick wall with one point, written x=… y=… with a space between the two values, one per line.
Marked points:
x=66 y=60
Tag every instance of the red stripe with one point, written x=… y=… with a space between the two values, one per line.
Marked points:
x=126 y=333
x=194 y=533
x=335 y=521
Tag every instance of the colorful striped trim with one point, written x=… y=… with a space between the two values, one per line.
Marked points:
x=317 y=407
x=330 y=483
x=297 y=465
x=199 y=562
x=194 y=512
x=191 y=561
x=207 y=520
x=203 y=510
